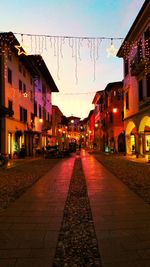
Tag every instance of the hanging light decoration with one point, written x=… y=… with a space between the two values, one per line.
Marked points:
x=111 y=51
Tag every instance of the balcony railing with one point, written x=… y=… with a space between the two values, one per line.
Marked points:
x=139 y=64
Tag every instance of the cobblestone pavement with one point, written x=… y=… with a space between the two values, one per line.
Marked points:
x=19 y=175
x=77 y=243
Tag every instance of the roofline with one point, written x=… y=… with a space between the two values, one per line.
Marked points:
x=144 y=6
x=111 y=85
x=43 y=69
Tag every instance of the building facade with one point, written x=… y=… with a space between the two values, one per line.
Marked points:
x=20 y=79
x=135 y=52
x=108 y=127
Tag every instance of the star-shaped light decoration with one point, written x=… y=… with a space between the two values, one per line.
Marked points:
x=111 y=51
x=21 y=51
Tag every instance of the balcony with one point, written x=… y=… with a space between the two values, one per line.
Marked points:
x=139 y=65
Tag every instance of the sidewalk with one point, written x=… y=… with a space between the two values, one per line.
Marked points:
x=29 y=227
x=121 y=218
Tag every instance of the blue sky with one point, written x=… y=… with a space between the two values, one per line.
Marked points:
x=109 y=18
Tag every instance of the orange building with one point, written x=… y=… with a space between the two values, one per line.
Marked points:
x=109 y=127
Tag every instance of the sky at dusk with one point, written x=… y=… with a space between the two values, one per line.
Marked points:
x=79 y=70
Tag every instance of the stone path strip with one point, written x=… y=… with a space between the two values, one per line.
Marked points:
x=77 y=244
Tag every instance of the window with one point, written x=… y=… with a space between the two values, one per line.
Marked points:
x=35 y=108
x=23 y=114
x=48 y=118
x=20 y=68
x=32 y=117
x=24 y=88
x=140 y=90
x=139 y=50
x=9 y=76
x=110 y=117
x=31 y=80
x=126 y=67
x=147 y=42
x=24 y=72
x=122 y=115
x=31 y=95
x=127 y=100
x=10 y=106
x=148 y=84
x=40 y=111
x=9 y=56
x=20 y=85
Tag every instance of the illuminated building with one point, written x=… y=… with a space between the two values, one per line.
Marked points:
x=135 y=51
x=108 y=127
x=21 y=77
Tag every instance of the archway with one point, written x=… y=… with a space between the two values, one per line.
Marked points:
x=144 y=133
x=121 y=142
x=130 y=135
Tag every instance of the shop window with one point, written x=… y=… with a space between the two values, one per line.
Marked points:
x=147 y=142
x=133 y=143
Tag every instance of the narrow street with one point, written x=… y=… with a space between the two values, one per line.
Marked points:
x=32 y=227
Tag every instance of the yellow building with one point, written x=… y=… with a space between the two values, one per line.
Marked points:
x=135 y=52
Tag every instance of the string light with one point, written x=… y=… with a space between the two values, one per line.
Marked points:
x=39 y=43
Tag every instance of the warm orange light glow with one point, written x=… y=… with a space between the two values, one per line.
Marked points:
x=96 y=125
x=72 y=121
x=40 y=120
x=25 y=95
x=114 y=110
x=90 y=131
x=60 y=130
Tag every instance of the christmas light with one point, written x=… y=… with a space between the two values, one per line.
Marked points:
x=111 y=51
x=21 y=51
